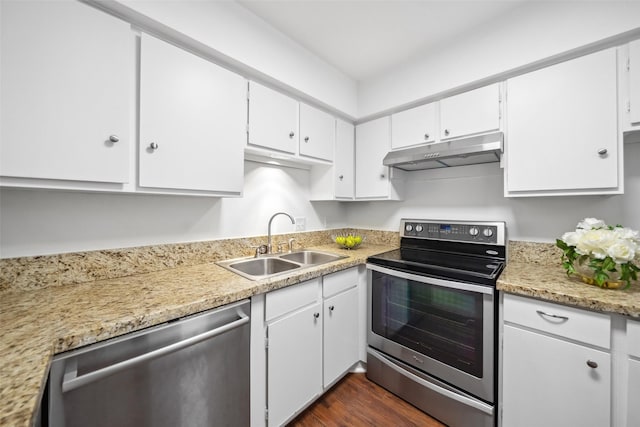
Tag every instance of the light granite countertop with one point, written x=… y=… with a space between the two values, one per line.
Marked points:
x=550 y=283
x=36 y=324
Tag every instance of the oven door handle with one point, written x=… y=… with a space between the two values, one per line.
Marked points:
x=432 y=280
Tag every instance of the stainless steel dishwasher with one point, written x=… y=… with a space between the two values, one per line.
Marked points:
x=190 y=372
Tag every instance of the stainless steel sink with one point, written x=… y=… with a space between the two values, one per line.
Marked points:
x=272 y=265
x=311 y=257
x=258 y=268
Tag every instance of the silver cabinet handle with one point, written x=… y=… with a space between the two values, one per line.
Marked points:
x=316 y=315
x=602 y=151
x=341 y=177
x=153 y=146
x=75 y=382
x=291 y=134
x=555 y=316
x=592 y=364
x=114 y=138
x=331 y=308
x=426 y=136
x=382 y=175
x=446 y=132
x=306 y=139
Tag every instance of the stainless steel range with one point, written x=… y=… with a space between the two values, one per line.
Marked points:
x=432 y=318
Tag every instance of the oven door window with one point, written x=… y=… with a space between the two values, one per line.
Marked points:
x=443 y=323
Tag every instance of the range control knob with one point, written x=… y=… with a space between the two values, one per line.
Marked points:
x=419 y=228
x=474 y=231
x=487 y=232
x=408 y=227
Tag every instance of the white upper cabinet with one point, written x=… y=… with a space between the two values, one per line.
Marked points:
x=273 y=119
x=67 y=78
x=192 y=121
x=633 y=78
x=562 y=132
x=373 y=179
x=414 y=126
x=344 y=173
x=317 y=133
x=473 y=112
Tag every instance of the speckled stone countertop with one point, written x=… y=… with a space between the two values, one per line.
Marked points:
x=534 y=270
x=37 y=323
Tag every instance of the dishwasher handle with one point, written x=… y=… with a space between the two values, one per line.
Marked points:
x=72 y=381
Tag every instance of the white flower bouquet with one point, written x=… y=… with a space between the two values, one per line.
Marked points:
x=608 y=251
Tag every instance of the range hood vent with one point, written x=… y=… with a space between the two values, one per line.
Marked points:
x=465 y=151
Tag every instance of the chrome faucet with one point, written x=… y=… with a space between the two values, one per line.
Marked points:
x=269 y=249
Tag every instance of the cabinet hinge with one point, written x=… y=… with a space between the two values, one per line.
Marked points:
x=266 y=343
x=247 y=128
x=266 y=414
x=628 y=64
x=628 y=106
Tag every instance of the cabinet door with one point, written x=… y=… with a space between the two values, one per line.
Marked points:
x=562 y=131
x=414 y=126
x=547 y=382
x=343 y=165
x=634 y=83
x=273 y=119
x=194 y=114
x=317 y=133
x=294 y=363
x=472 y=112
x=340 y=334
x=372 y=144
x=67 y=75
x=633 y=389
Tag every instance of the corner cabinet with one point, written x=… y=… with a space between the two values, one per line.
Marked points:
x=374 y=181
x=192 y=122
x=311 y=339
x=336 y=181
x=556 y=365
x=562 y=129
x=67 y=73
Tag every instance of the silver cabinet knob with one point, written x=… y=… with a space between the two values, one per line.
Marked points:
x=446 y=132
x=592 y=364
x=341 y=177
x=316 y=315
x=426 y=136
x=153 y=146
x=382 y=175
x=114 y=138
x=306 y=139
x=602 y=151
x=291 y=134
x=331 y=308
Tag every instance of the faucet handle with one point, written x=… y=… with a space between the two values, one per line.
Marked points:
x=291 y=244
x=280 y=245
x=260 y=250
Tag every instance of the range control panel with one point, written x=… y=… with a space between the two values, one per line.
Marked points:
x=472 y=232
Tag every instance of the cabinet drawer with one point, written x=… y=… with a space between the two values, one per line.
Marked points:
x=288 y=299
x=337 y=282
x=633 y=335
x=573 y=323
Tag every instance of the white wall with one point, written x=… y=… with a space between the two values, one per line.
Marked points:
x=476 y=193
x=236 y=32
x=35 y=222
x=528 y=33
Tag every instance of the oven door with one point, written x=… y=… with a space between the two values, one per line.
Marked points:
x=442 y=328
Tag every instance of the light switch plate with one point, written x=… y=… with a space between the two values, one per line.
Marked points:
x=301 y=223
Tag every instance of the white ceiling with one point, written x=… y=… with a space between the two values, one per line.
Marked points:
x=364 y=38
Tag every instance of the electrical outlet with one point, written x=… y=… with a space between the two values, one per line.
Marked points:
x=301 y=223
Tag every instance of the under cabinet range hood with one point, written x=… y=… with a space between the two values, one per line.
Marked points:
x=465 y=151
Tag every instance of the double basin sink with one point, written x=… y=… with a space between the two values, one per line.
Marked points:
x=272 y=265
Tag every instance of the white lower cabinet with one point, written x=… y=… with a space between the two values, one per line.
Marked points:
x=556 y=365
x=633 y=379
x=311 y=340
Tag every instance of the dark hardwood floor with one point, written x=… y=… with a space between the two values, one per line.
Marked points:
x=356 y=401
